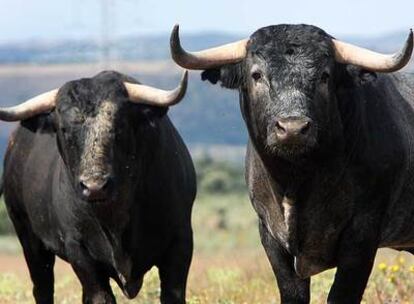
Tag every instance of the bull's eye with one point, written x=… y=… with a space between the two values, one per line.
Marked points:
x=256 y=76
x=325 y=77
x=290 y=51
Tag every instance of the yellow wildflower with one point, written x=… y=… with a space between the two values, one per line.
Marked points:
x=401 y=260
x=395 y=268
x=382 y=266
x=412 y=268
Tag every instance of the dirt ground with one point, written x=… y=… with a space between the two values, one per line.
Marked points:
x=16 y=264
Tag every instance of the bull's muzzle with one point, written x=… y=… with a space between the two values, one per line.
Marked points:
x=293 y=129
x=95 y=189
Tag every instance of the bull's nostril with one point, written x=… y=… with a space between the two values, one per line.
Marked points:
x=84 y=189
x=83 y=186
x=280 y=127
x=305 y=128
x=95 y=189
x=293 y=129
x=105 y=185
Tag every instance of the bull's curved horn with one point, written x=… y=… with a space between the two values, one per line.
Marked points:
x=139 y=93
x=209 y=58
x=40 y=104
x=372 y=61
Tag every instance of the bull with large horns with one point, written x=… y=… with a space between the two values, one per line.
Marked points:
x=97 y=174
x=329 y=161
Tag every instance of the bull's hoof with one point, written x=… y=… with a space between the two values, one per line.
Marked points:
x=131 y=289
x=99 y=298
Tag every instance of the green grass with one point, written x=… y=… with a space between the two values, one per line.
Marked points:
x=224 y=222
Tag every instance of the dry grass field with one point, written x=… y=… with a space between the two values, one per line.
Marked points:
x=229 y=266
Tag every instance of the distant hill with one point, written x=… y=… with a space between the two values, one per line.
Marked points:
x=129 y=48
x=140 y=48
x=209 y=115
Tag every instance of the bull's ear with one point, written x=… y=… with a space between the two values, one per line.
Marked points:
x=366 y=76
x=356 y=76
x=47 y=122
x=149 y=113
x=53 y=120
x=230 y=76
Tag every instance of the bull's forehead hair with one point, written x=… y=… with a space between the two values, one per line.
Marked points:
x=90 y=92
x=278 y=40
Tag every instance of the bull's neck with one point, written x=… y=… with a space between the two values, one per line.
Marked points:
x=293 y=175
x=288 y=174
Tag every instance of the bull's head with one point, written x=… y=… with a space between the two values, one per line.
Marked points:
x=97 y=121
x=288 y=76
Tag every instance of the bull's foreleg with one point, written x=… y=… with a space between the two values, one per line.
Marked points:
x=173 y=270
x=95 y=289
x=354 y=264
x=41 y=264
x=292 y=288
x=94 y=281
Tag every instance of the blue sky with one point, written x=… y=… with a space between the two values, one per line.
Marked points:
x=55 y=19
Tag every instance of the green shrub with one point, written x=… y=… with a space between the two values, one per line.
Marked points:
x=218 y=181
x=218 y=177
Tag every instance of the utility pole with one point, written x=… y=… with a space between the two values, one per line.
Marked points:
x=108 y=26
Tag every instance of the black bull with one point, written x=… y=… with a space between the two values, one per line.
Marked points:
x=141 y=217
x=329 y=163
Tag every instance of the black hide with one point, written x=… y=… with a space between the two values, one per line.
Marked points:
x=141 y=219
x=345 y=188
